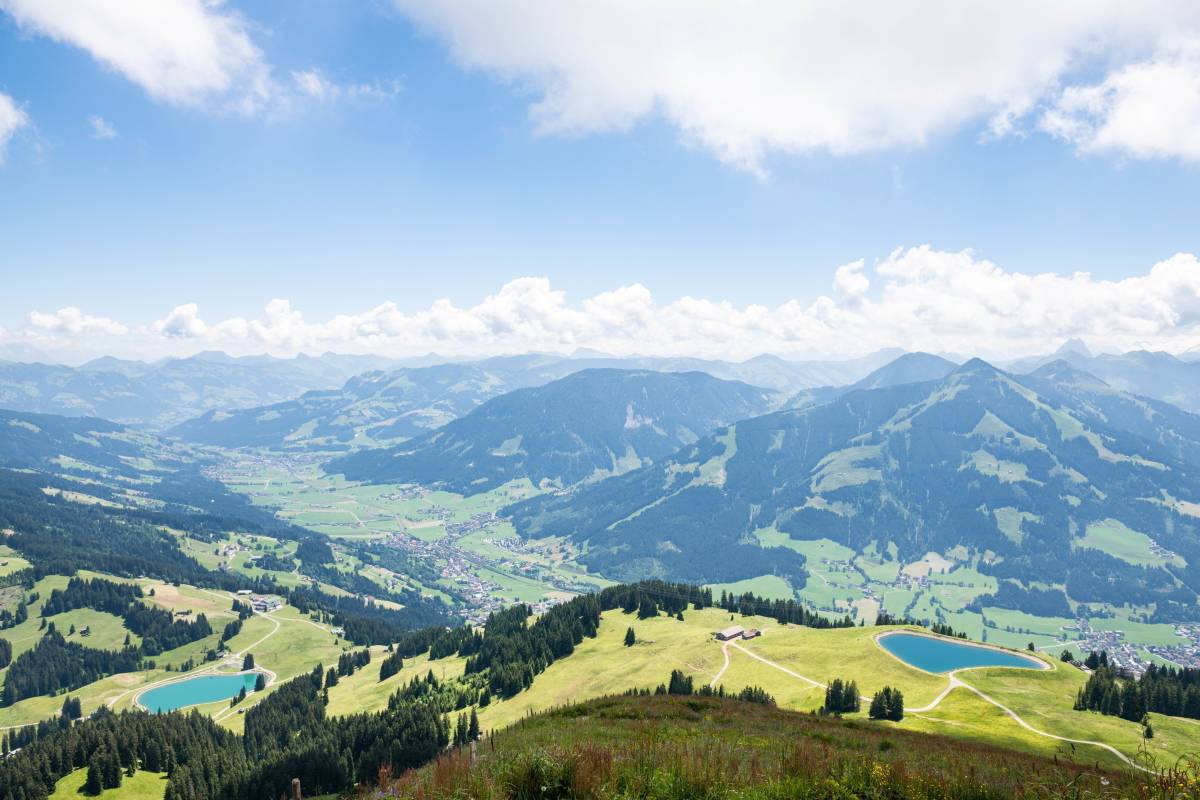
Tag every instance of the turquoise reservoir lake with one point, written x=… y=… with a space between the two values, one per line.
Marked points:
x=197 y=690
x=943 y=655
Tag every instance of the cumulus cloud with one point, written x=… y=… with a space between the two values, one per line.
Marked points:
x=1147 y=109
x=917 y=298
x=748 y=79
x=182 y=323
x=74 y=322
x=849 y=280
x=101 y=128
x=185 y=52
x=12 y=119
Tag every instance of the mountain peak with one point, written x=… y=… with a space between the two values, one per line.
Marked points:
x=1061 y=371
x=1074 y=346
x=908 y=368
x=975 y=365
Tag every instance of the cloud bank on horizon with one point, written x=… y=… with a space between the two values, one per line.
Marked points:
x=917 y=298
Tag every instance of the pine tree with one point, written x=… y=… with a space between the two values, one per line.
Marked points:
x=248 y=662
x=260 y=682
x=680 y=683
x=95 y=775
x=630 y=638
x=473 y=727
x=878 y=708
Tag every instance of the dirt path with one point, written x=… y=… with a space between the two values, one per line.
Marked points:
x=950 y=686
x=206 y=668
x=1016 y=718
x=725 y=666
x=953 y=683
x=779 y=667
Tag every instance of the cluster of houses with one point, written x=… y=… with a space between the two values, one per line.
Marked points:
x=261 y=603
x=1131 y=657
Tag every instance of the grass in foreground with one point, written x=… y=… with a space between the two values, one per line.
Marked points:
x=670 y=748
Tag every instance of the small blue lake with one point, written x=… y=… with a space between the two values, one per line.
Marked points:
x=197 y=690
x=943 y=655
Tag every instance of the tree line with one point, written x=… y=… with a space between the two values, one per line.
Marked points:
x=1164 y=690
x=54 y=665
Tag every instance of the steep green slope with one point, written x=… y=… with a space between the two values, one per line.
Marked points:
x=588 y=425
x=919 y=468
x=669 y=747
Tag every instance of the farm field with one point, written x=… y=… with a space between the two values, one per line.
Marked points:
x=477 y=553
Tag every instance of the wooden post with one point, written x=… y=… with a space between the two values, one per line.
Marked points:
x=296 y=795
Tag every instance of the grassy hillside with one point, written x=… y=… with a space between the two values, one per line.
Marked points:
x=285 y=642
x=792 y=662
x=689 y=747
x=142 y=786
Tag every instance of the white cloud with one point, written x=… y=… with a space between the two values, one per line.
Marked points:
x=917 y=298
x=1146 y=109
x=101 y=128
x=182 y=323
x=849 y=279
x=314 y=84
x=73 y=322
x=747 y=79
x=12 y=119
x=185 y=52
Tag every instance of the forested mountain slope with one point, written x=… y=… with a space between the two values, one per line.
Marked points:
x=587 y=425
x=1029 y=477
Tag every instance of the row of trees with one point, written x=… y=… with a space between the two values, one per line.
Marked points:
x=55 y=664
x=1163 y=690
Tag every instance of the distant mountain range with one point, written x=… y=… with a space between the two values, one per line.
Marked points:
x=588 y=425
x=1012 y=474
x=163 y=393
x=1161 y=376
x=381 y=407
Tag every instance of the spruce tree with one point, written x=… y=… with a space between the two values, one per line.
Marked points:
x=248 y=662
x=473 y=727
x=878 y=708
x=260 y=682
x=95 y=775
x=630 y=638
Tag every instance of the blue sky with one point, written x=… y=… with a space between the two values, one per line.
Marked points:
x=428 y=171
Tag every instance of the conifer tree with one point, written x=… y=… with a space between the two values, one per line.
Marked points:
x=630 y=638
x=473 y=727
x=95 y=775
